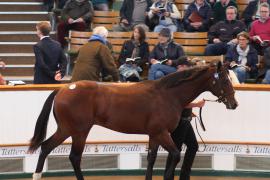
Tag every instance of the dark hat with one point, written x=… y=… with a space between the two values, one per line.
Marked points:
x=165 y=32
x=184 y=61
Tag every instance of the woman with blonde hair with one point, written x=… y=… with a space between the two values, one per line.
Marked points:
x=243 y=58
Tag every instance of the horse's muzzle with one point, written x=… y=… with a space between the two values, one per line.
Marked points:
x=232 y=105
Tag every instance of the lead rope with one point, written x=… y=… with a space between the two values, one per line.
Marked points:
x=197 y=119
x=202 y=124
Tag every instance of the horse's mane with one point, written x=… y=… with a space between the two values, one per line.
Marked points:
x=179 y=77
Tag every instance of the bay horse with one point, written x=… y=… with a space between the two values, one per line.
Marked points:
x=155 y=107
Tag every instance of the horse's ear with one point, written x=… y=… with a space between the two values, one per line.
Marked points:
x=219 y=65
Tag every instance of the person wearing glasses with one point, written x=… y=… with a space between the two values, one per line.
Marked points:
x=260 y=30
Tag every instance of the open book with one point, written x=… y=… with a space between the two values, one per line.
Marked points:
x=236 y=65
x=263 y=42
x=163 y=61
x=132 y=60
x=162 y=9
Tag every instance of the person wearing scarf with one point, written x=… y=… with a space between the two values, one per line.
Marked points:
x=94 y=57
x=243 y=58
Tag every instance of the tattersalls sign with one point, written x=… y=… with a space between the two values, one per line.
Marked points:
x=215 y=149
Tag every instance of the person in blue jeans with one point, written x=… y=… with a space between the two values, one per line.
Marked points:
x=223 y=34
x=167 y=50
x=168 y=14
x=243 y=58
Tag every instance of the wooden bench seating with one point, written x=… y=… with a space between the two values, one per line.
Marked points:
x=105 y=18
x=193 y=43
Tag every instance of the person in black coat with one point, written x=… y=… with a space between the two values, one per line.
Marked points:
x=164 y=56
x=204 y=12
x=134 y=48
x=50 y=65
x=184 y=133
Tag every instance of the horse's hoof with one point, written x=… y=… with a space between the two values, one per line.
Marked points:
x=36 y=176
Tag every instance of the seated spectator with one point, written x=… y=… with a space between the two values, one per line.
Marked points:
x=49 y=4
x=197 y=16
x=94 y=57
x=260 y=30
x=164 y=57
x=252 y=11
x=211 y=3
x=2 y=81
x=137 y=47
x=101 y=5
x=220 y=7
x=167 y=13
x=76 y=15
x=243 y=58
x=132 y=13
x=223 y=34
x=266 y=70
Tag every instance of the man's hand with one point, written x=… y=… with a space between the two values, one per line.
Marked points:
x=155 y=10
x=235 y=41
x=80 y=20
x=196 y=25
x=248 y=68
x=70 y=21
x=57 y=76
x=153 y=61
x=216 y=40
x=169 y=62
x=167 y=14
x=198 y=104
x=256 y=37
x=232 y=63
x=125 y=21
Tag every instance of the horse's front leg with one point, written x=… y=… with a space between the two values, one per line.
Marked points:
x=151 y=158
x=167 y=143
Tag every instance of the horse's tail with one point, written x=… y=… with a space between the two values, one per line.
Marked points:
x=42 y=122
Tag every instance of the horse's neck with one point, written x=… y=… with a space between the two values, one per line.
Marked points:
x=187 y=91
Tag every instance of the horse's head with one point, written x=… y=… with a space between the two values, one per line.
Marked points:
x=221 y=86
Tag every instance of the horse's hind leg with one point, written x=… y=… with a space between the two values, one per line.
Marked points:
x=46 y=147
x=151 y=158
x=78 y=143
x=167 y=143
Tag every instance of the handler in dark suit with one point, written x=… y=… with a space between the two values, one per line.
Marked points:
x=51 y=61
